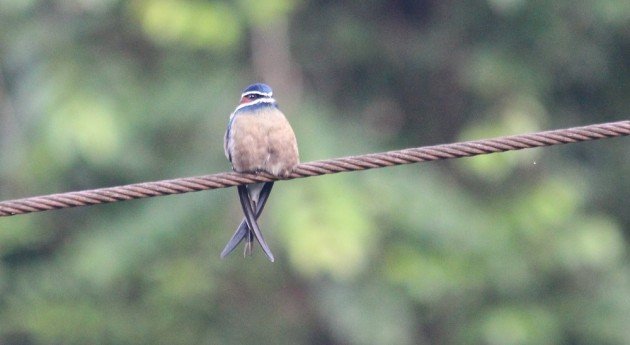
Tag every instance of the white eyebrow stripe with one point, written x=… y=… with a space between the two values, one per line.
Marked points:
x=258 y=101
x=264 y=94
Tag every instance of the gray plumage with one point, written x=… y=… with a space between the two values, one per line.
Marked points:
x=258 y=139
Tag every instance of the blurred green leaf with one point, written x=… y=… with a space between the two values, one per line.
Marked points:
x=194 y=23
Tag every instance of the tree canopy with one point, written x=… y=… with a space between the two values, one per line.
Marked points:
x=523 y=247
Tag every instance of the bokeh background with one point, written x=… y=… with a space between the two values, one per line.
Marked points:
x=517 y=248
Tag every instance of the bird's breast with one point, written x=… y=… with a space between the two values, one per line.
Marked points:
x=263 y=141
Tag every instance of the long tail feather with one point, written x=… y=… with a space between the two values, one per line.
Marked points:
x=236 y=239
x=242 y=230
x=251 y=220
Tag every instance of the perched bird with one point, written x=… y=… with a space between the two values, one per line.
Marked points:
x=258 y=139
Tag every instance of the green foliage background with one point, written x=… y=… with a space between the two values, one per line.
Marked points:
x=516 y=248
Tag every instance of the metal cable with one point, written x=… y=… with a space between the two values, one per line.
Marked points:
x=323 y=167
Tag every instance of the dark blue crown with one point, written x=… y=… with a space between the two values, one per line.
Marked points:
x=260 y=87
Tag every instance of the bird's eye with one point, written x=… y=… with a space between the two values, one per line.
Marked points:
x=252 y=96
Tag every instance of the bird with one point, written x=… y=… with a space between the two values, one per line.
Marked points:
x=258 y=139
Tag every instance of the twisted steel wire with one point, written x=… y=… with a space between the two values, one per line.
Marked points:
x=316 y=168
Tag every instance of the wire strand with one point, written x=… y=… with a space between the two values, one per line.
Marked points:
x=316 y=168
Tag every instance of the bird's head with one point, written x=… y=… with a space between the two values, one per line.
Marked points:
x=255 y=92
x=256 y=96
